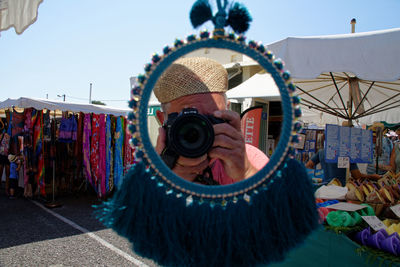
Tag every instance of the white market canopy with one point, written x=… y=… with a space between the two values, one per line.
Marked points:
x=259 y=85
x=331 y=70
x=25 y=102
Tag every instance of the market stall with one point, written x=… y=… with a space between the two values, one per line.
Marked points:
x=78 y=146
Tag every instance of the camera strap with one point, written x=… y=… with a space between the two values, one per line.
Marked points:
x=169 y=157
x=206 y=178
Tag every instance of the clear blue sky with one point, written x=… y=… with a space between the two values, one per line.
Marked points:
x=77 y=42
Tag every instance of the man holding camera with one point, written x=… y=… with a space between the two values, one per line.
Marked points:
x=191 y=88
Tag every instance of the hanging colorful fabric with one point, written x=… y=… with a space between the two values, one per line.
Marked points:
x=87 y=133
x=79 y=142
x=94 y=152
x=102 y=154
x=39 y=152
x=118 y=152
x=128 y=150
x=108 y=153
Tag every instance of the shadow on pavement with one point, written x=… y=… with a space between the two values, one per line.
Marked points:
x=22 y=221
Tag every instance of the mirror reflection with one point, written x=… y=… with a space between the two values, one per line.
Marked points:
x=215 y=117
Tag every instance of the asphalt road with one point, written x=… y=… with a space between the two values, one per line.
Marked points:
x=33 y=235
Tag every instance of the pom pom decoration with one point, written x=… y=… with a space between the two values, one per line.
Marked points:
x=200 y=13
x=239 y=18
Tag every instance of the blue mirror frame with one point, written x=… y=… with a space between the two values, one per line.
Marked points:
x=146 y=153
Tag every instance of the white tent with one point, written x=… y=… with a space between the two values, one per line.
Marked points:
x=259 y=85
x=349 y=76
x=25 y=102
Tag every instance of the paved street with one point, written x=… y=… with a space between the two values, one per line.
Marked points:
x=32 y=235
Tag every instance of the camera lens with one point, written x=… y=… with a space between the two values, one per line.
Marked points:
x=192 y=135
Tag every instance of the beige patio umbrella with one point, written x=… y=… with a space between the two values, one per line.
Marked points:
x=19 y=14
x=349 y=76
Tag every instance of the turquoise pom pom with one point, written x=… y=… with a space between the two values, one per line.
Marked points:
x=296 y=100
x=191 y=38
x=291 y=87
x=204 y=34
x=295 y=139
x=132 y=103
x=132 y=128
x=278 y=64
x=141 y=78
x=166 y=50
x=241 y=38
x=297 y=112
x=231 y=36
x=134 y=141
x=155 y=58
x=252 y=44
x=269 y=55
x=131 y=116
x=286 y=75
x=298 y=126
x=178 y=43
x=147 y=67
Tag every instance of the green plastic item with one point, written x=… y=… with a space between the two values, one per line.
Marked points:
x=334 y=218
x=347 y=220
x=370 y=210
x=356 y=217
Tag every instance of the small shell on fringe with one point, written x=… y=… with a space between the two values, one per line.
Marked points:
x=247 y=198
x=212 y=204
x=224 y=203
x=179 y=195
x=235 y=200
x=189 y=200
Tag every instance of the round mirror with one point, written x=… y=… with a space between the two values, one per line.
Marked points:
x=142 y=103
x=194 y=144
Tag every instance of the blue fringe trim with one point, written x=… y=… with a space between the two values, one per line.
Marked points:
x=161 y=226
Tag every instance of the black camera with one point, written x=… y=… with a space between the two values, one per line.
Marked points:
x=188 y=134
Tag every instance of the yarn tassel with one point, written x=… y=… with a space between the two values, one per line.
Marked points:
x=238 y=18
x=200 y=13
x=162 y=227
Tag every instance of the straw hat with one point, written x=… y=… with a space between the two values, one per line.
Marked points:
x=12 y=158
x=188 y=76
x=376 y=125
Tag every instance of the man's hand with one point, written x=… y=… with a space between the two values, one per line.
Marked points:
x=187 y=168
x=229 y=146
